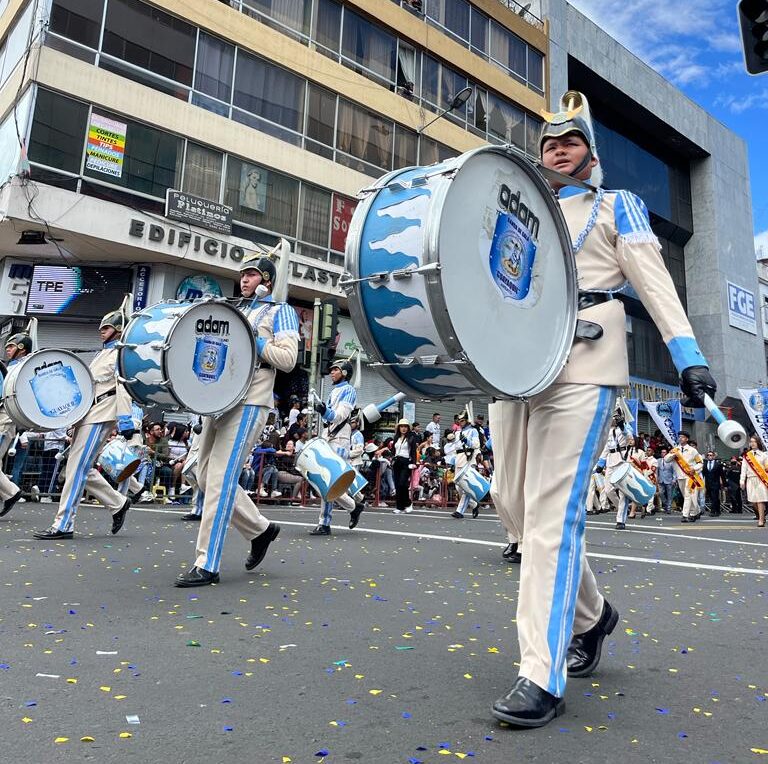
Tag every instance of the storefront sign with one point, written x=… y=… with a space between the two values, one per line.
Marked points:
x=648 y=390
x=341 y=217
x=349 y=342
x=741 y=308
x=198 y=285
x=314 y=274
x=106 y=146
x=141 y=287
x=15 y=283
x=198 y=211
x=185 y=241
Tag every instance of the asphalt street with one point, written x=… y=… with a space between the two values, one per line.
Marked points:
x=384 y=644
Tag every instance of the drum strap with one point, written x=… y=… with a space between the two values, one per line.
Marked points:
x=108 y=394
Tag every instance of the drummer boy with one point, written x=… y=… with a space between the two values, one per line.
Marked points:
x=111 y=408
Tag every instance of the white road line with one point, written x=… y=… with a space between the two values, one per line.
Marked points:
x=483 y=542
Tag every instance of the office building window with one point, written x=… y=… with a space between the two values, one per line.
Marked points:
x=202 y=171
x=479 y=32
x=79 y=20
x=451 y=15
x=315 y=215
x=58 y=131
x=508 y=50
x=292 y=15
x=321 y=120
x=369 y=46
x=327 y=31
x=214 y=67
x=535 y=69
x=506 y=122
x=406 y=147
x=364 y=135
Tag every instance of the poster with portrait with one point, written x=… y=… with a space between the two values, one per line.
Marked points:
x=253 y=187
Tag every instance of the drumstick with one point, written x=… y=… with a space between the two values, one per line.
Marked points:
x=730 y=432
x=12 y=449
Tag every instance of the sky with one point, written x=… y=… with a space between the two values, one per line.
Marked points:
x=696 y=45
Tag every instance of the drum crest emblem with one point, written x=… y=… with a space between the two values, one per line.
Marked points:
x=210 y=359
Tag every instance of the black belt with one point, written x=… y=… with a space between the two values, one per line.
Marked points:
x=265 y=366
x=613 y=450
x=590 y=299
x=101 y=397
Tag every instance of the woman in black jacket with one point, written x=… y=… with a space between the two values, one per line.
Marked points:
x=404 y=453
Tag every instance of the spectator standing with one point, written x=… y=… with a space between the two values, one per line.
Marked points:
x=403 y=464
x=433 y=428
x=665 y=474
x=714 y=474
x=732 y=485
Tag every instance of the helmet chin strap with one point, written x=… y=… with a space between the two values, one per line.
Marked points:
x=582 y=165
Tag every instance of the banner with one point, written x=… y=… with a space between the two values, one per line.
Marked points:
x=668 y=417
x=633 y=404
x=756 y=403
x=106 y=145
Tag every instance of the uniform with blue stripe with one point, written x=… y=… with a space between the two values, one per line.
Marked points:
x=16 y=347
x=467 y=451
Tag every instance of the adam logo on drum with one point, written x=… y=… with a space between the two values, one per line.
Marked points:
x=511 y=203
x=211 y=325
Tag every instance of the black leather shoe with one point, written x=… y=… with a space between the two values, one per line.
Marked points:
x=192 y=517
x=694 y=518
x=354 y=515
x=584 y=651
x=475 y=510
x=457 y=515
x=51 y=533
x=527 y=705
x=321 y=530
x=8 y=505
x=196 y=577
x=260 y=544
x=685 y=520
x=510 y=554
x=119 y=517
x=620 y=526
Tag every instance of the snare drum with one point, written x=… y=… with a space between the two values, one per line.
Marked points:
x=468 y=480
x=120 y=459
x=632 y=483
x=324 y=469
x=196 y=356
x=47 y=390
x=463 y=278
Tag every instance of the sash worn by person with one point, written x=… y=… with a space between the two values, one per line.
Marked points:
x=688 y=465
x=554 y=438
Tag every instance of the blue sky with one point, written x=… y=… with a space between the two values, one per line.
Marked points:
x=696 y=45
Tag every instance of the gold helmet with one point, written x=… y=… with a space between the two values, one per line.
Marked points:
x=115 y=319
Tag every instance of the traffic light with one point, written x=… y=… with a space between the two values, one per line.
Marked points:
x=329 y=319
x=753 y=18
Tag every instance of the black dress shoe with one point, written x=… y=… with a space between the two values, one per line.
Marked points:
x=321 y=530
x=119 y=517
x=196 y=577
x=192 y=517
x=584 y=651
x=511 y=555
x=51 y=533
x=457 y=515
x=685 y=520
x=527 y=705
x=620 y=526
x=8 y=505
x=354 y=515
x=475 y=510
x=260 y=544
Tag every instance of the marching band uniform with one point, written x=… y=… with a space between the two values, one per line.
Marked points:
x=613 y=456
x=111 y=407
x=336 y=412
x=757 y=490
x=196 y=508
x=595 y=493
x=689 y=487
x=17 y=346
x=227 y=439
x=466 y=453
x=133 y=486
x=508 y=518
x=553 y=439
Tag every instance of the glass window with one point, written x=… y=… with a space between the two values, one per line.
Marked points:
x=10 y=149
x=428 y=153
x=328 y=24
x=58 y=131
x=508 y=49
x=269 y=91
x=477 y=108
x=315 y=215
x=532 y=133
x=406 y=142
x=506 y=122
x=80 y=20
x=202 y=171
x=213 y=69
x=150 y=39
x=479 y=33
x=321 y=121
x=407 y=70
x=430 y=80
x=364 y=135
x=262 y=197
x=451 y=14
x=151 y=162
x=16 y=42
x=369 y=46
x=451 y=84
x=535 y=69
x=293 y=14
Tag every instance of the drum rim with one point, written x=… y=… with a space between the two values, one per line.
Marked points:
x=436 y=297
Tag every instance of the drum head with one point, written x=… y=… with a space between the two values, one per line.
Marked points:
x=619 y=473
x=50 y=389
x=508 y=275
x=210 y=357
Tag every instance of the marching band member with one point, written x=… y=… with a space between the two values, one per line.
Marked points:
x=636 y=457
x=16 y=347
x=650 y=463
x=111 y=407
x=754 y=477
x=337 y=415
x=195 y=513
x=357 y=443
x=688 y=466
x=613 y=456
x=227 y=439
x=596 y=490
x=132 y=486
x=513 y=550
x=557 y=435
x=467 y=449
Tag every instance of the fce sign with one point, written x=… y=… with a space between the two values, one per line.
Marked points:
x=741 y=308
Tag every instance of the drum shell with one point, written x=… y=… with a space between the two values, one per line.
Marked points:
x=632 y=483
x=443 y=368
x=119 y=459
x=324 y=469
x=189 y=470
x=358 y=484
x=471 y=482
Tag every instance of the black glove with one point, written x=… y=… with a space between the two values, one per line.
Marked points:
x=321 y=408
x=128 y=434
x=695 y=382
x=198 y=428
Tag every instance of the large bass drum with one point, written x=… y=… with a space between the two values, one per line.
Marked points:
x=196 y=356
x=463 y=278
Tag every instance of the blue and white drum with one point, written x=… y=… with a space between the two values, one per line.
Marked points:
x=633 y=484
x=197 y=356
x=463 y=278
x=47 y=390
x=357 y=484
x=471 y=482
x=324 y=469
x=120 y=459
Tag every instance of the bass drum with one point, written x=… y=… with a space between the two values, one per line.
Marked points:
x=47 y=390
x=463 y=278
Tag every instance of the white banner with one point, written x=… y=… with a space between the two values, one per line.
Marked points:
x=756 y=403
x=668 y=416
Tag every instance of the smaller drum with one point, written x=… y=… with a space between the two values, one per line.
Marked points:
x=120 y=459
x=633 y=484
x=197 y=356
x=189 y=470
x=47 y=390
x=357 y=484
x=468 y=480
x=324 y=469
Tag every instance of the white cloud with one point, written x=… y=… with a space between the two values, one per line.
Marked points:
x=740 y=104
x=761 y=245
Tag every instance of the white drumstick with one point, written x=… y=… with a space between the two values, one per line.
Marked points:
x=730 y=432
x=12 y=449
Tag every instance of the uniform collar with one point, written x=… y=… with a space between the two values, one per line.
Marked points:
x=342 y=382
x=567 y=191
x=110 y=344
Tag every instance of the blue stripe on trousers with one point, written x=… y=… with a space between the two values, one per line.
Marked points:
x=229 y=487
x=198 y=510
x=326 y=510
x=81 y=473
x=568 y=574
x=463 y=503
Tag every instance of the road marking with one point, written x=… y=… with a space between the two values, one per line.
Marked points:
x=484 y=542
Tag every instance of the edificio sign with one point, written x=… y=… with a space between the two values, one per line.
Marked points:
x=741 y=308
x=189 y=208
x=185 y=241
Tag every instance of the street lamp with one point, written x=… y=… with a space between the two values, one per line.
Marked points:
x=458 y=100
